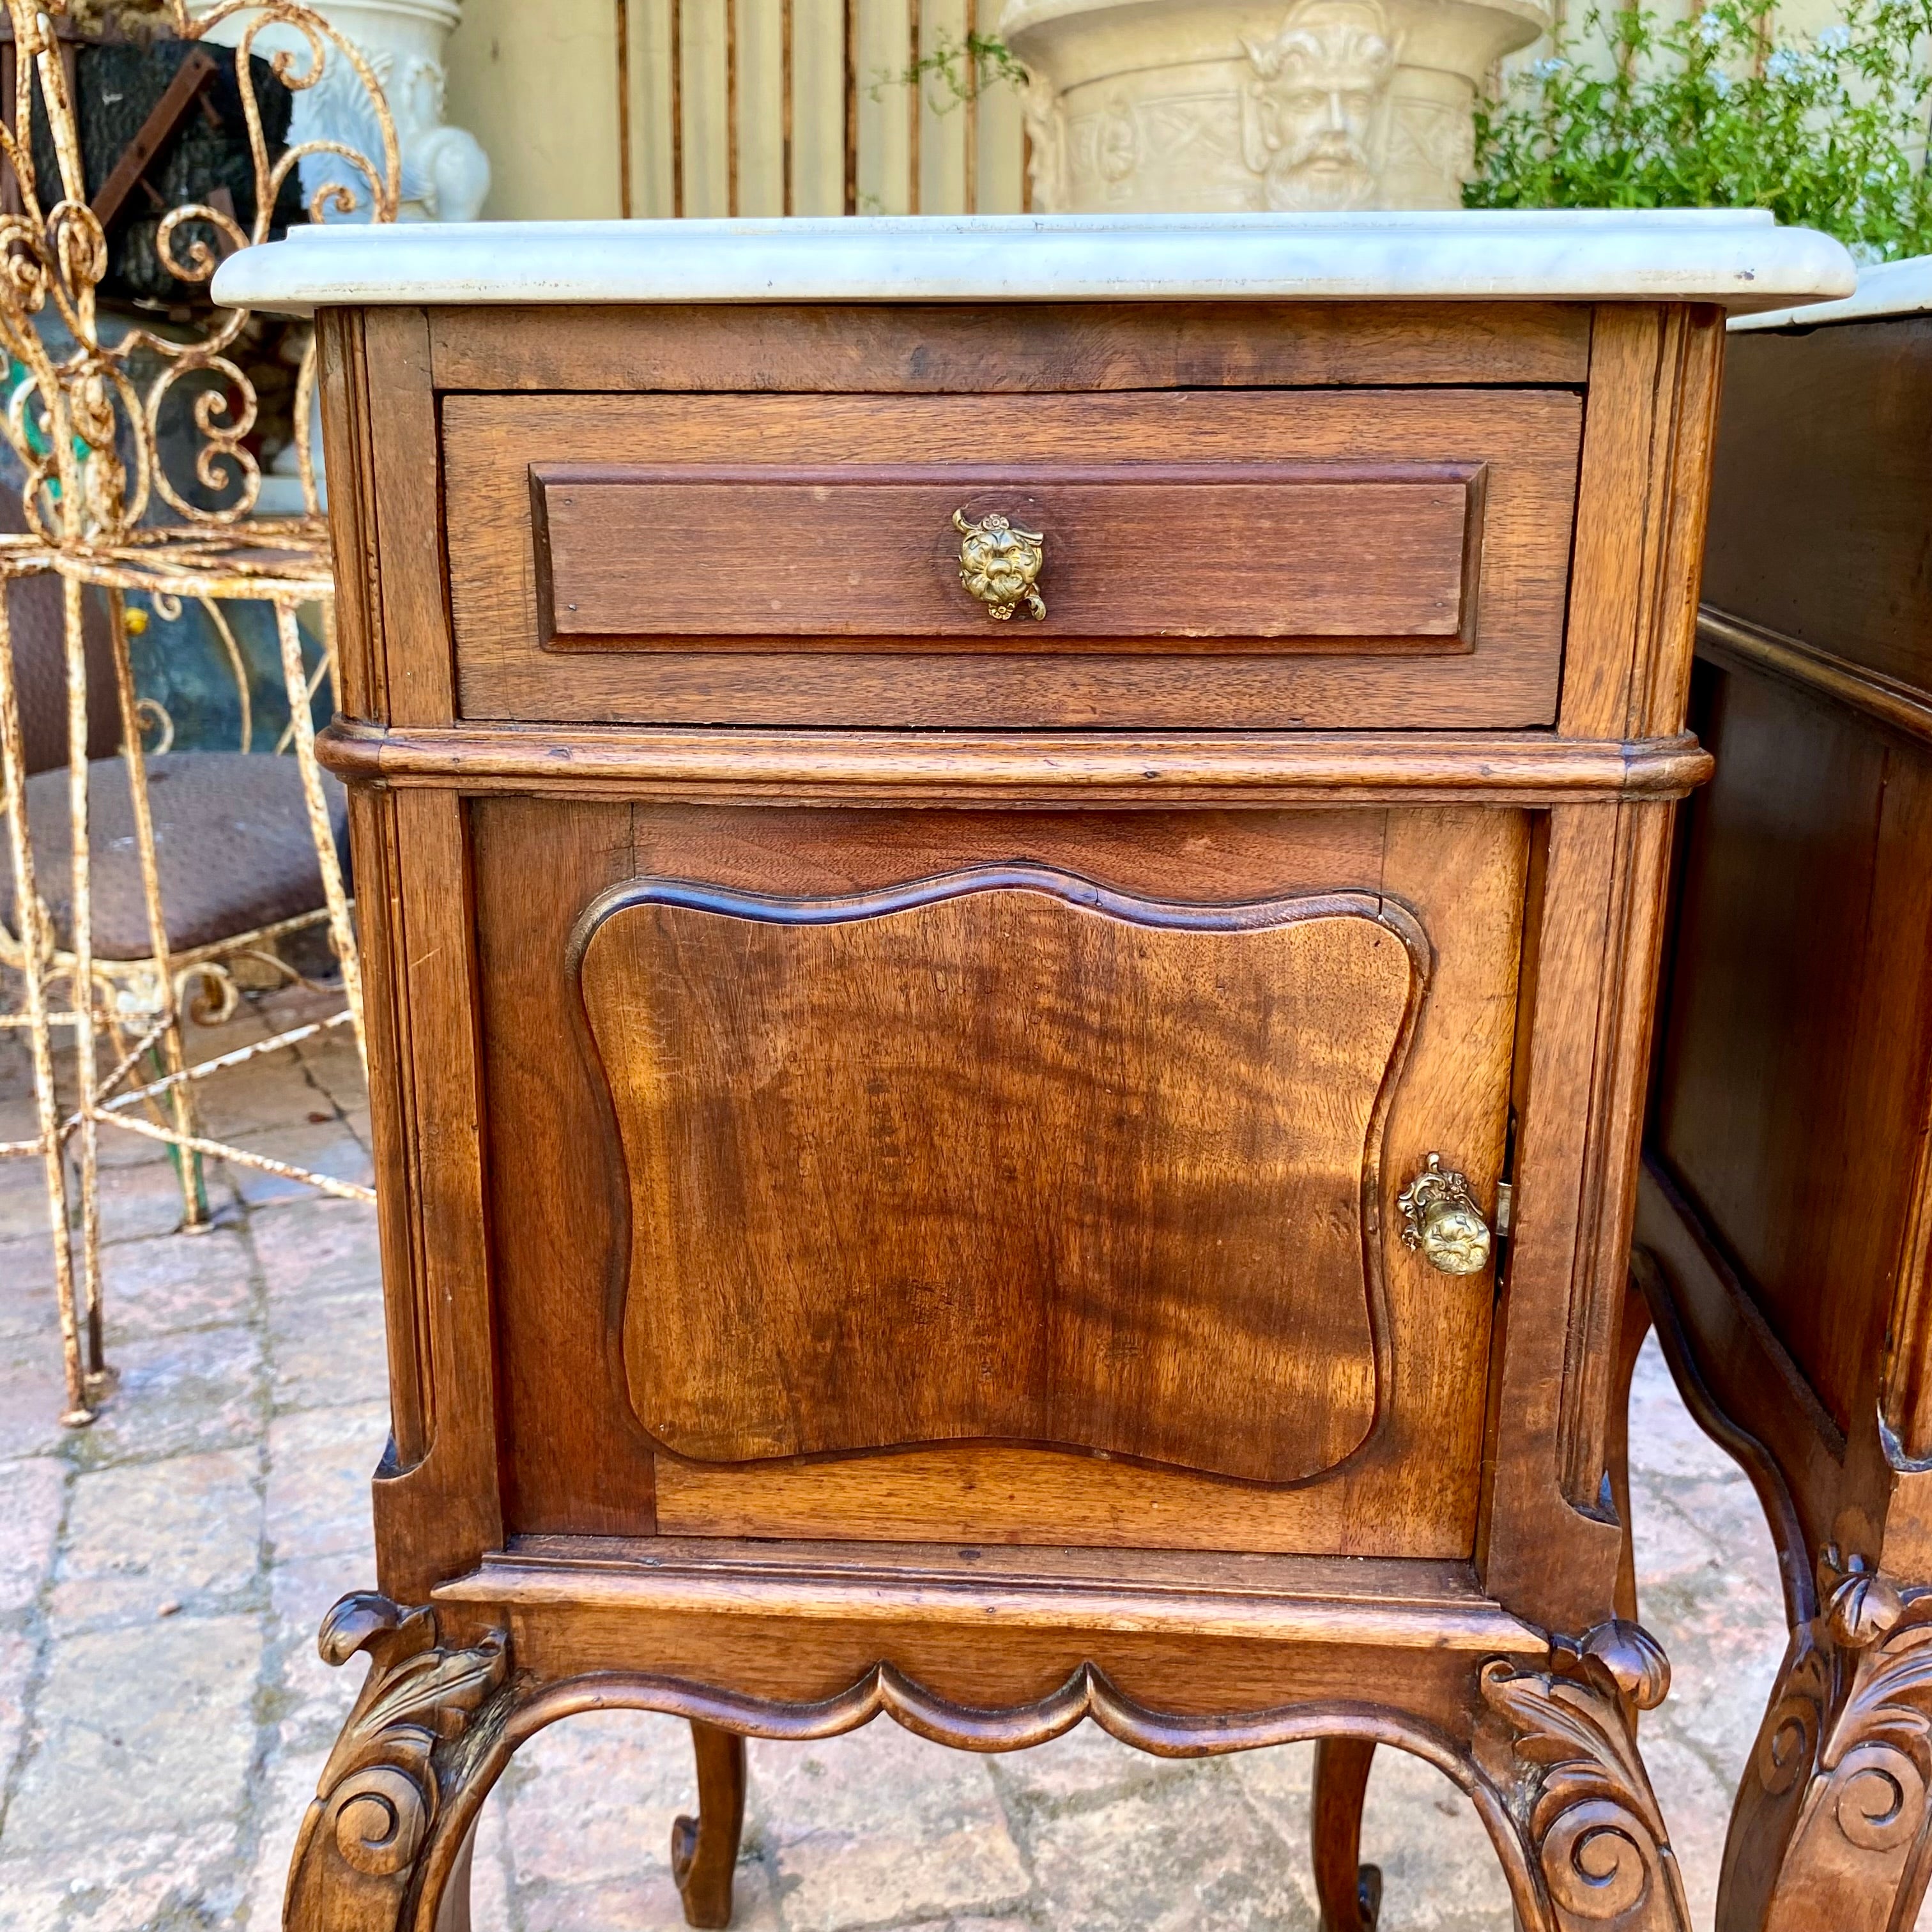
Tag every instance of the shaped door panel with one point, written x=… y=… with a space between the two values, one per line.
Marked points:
x=1004 y=1156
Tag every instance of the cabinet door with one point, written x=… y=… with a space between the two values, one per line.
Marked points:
x=1037 y=1180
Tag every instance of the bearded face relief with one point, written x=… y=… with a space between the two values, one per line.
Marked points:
x=1317 y=104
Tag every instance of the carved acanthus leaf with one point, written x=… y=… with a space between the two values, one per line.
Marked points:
x=1569 y=1761
x=379 y=1788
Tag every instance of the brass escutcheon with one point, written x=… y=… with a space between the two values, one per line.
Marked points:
x=1000 y=564
x=1441 y=1218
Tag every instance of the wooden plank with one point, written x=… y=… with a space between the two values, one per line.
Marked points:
x=385 y=1022
x=943 y=119
x=405 y=472
x=1000 y=140
x=348 y=455
x=1615 y=511
x=1249 y=551
x=431 y=1516
x=1660 y=678
x=1600 y=1285
x=653 y=122
x=932 y=349
x=1790 y=1154
x=1823 y=469
x=817 y=107
x=759 y=125
x=704 y=96
x=881 y=52
x=1540 y=1553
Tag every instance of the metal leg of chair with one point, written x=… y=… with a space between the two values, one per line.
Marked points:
x=86 y=1131
x=30 y=927
x=173 y=1059
x=341 y=926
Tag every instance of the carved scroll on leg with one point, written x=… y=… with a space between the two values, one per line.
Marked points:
x=1831 y=1823
x=390 y=1775
x=1560 y=1745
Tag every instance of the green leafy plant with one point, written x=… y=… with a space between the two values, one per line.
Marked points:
x=1719 y=110
x=964 y=70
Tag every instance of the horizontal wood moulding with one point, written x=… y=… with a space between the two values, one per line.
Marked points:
x=1885 y=701
x=933 y=349
x=900 y=768
x=1402 y=1603
x=1147 y=553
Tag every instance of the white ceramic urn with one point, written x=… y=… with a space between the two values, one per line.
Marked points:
x=445 y=174
x=1167 y=106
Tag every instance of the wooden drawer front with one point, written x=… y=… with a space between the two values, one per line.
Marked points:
x=1316 y=558
x=996 y=1176
x=1136 y=555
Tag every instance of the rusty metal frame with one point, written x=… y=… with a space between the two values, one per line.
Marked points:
x=102 y=511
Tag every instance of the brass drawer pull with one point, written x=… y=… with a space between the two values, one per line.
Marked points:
x=1440 y=1217
x=1000 y=564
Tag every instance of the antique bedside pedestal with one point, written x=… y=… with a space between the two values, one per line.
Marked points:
x=986 y=849
x=1786 y=1223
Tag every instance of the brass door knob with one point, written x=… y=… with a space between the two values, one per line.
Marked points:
x=1000 y=564
x=1440 y=1217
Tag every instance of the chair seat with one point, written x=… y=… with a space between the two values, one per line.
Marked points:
x=232 y=843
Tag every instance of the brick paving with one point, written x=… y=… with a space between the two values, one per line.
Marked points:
x=163 y=1715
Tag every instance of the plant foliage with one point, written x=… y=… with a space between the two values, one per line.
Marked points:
x=1719 y=110
x=963 y=69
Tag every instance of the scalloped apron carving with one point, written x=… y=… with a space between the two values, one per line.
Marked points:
x=1003 y=1156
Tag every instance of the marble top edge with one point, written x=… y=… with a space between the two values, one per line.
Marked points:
x=1740 y=259
x=1884 y=289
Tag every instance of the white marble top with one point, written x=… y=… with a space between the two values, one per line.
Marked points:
x=1739 y=258
x=1885 y=288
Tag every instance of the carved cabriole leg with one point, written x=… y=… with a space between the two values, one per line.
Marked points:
x=1350 y=1892
x=704 y=1849
x=395 y=1770
x=1559 y=1744
x=1830 y=1825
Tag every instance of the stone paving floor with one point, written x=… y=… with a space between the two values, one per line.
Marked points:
x=163 y=1715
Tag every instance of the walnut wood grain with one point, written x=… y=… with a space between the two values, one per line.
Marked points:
x=559 y=1199
x=1147 y=555
x=871 y=1206
x=1509 y=798
x=1726 y=638
x=865 y=767
x=1349 y=1893
x=1277 y=1600
x=347 y=430
x=1525 y=441
x=1790 y=1155
x=1786 y=1213
x=1824 y=459
x=963 y=347
x=1642 y=493
x=704 y=1849
x=419 y=671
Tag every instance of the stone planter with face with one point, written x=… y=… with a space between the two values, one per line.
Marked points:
x=1173 y=105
